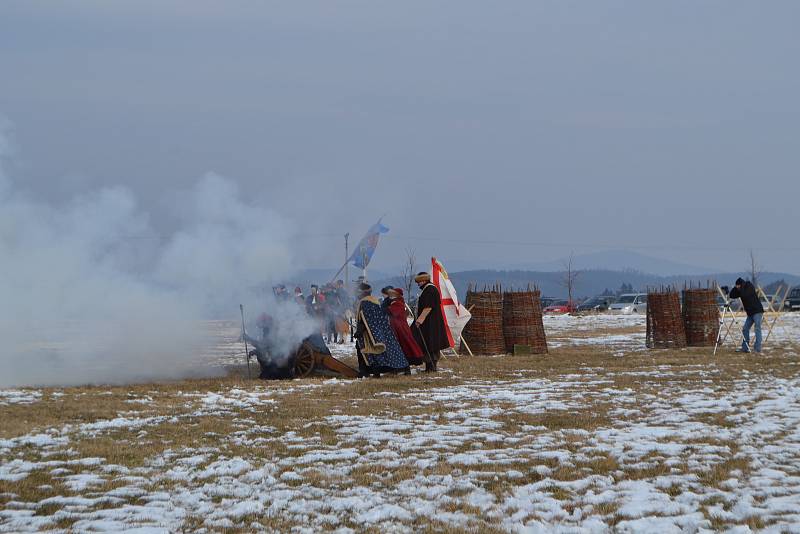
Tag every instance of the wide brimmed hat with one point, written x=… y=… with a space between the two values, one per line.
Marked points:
x=422 y=277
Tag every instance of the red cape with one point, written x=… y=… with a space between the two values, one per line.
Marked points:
x=397 y=320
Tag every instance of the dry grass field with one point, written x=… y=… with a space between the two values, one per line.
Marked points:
x=598 y=435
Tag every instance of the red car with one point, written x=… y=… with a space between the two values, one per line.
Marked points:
x=560 y=306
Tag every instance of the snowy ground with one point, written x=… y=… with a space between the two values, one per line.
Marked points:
x=598 y=434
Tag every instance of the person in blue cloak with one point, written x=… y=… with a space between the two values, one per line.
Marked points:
x=377 y=347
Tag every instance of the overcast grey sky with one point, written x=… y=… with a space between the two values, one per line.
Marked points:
x=671 y=126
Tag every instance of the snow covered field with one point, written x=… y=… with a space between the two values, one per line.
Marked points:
x=599 y=434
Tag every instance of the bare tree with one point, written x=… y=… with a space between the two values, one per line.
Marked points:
x=570 y=276
x=408 y=273
x=755 y=269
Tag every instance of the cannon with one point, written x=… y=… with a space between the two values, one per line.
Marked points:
x=312 y=355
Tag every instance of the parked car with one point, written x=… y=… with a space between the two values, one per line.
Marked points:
x=793 y=300
x=630 y=303
x=547 y=301
x=599 y=303
x=560 y=306
x=771 y=299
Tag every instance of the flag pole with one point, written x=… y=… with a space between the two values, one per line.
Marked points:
x=364 y=262
x=346 y=266
x=342 y=268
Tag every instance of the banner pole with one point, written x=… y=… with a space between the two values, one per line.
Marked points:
x=346 y=263
x=364 y=262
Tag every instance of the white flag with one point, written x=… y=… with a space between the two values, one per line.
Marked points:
x=455 y=314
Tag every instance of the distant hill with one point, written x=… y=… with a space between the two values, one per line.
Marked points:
x=640 y=272
x=619 y=260
x=307 y=277
x=601 y=270
x=590 y=282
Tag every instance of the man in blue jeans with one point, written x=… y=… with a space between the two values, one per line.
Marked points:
x=755 y=312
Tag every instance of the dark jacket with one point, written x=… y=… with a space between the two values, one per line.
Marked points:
x=432 y=333
x=750 y=301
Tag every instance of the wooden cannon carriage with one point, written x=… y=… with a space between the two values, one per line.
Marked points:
x=312 y=356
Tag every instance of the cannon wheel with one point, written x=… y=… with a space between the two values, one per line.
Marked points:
x=304 y=361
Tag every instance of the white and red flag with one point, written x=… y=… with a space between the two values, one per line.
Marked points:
x=455 y=314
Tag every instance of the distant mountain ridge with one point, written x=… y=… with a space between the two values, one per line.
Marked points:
x=589 y=282
x=620 y=260
x=599 y=271
x=306 y=277
x=603 y=261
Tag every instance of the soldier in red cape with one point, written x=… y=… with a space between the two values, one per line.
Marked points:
x=398 y=314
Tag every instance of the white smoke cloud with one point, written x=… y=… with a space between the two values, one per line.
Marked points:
x=89 y=293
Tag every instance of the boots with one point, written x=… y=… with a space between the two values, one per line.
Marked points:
x=430 y=367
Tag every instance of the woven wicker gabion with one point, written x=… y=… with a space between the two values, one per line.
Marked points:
x=664 y=322
x=484 y=332
x=700 y=316
x=522 y=321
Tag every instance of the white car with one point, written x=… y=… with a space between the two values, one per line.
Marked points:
x=630 y=303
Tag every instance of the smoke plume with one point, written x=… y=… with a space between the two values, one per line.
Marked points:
x=91 y=293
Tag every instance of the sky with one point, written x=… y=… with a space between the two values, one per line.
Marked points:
x=491 y=135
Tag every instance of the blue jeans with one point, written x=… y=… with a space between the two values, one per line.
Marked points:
x=751 y=320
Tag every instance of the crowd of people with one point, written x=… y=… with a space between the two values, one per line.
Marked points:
x=331 y=305
x=390 y=337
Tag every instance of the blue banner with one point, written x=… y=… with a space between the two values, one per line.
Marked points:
x=363 y=252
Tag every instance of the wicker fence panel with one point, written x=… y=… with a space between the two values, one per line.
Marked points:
x=664 y=322
x=700 y=316
x=522 y=321
x=484 y=332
